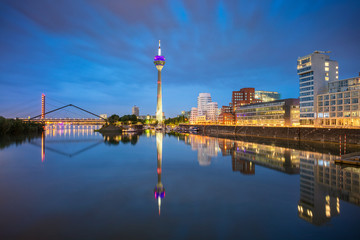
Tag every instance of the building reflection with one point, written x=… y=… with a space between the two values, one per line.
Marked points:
x=323 y=184
x=159 y=191
x=244 y=155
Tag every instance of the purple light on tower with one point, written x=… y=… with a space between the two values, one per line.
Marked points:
x=159 y=58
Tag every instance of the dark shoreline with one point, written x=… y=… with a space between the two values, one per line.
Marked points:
x=319 y=135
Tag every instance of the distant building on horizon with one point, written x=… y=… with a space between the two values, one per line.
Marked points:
x=135 y=110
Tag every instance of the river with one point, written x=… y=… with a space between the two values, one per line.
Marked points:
x=74 y=183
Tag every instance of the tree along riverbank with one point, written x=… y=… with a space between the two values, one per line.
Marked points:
x=18 y=127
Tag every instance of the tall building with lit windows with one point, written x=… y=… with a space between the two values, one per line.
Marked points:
x=315 y=71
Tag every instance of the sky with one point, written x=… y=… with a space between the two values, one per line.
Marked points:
x=98 y=54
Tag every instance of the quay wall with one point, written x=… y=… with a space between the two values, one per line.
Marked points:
x=293 y=133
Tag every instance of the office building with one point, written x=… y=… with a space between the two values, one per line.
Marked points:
x=276 y=113
x=226 y=118
x=340 y=106
x=212 y=111
x=193 y=115
x=267 y=96
x=243 y=97
x=315 y=71
x=135 y=111
x=202 y=100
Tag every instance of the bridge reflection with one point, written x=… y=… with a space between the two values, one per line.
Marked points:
x=55 y=134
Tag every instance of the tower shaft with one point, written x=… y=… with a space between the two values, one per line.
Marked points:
x=159 y=111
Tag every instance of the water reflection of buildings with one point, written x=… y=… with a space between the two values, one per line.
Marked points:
x=159 y=190
x=206 y=147
x=323 y=184
x=245 y=155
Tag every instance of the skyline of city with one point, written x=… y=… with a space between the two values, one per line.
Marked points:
x=69 y=59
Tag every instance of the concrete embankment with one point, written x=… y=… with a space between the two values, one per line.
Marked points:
x=293 y=133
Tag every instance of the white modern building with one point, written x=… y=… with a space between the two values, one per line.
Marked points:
x=203 y=99
x=212 y=111
x=315 y=71
x=206 y=111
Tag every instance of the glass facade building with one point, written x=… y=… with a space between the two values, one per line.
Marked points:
x=276 y=113
x=267 y=96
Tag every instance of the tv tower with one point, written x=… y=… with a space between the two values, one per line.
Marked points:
x=159 y=62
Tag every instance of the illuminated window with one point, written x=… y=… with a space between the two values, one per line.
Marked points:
x=337 y=67
x=327 y=69
x=326 y=78
x=326 y=64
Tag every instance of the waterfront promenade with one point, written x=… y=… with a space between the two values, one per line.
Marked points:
x=334 y=135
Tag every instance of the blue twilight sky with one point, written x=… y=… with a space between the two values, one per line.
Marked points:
x=98 y=54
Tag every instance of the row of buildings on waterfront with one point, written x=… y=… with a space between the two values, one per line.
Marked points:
x=324 y=100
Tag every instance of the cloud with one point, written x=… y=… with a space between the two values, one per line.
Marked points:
x=105 y=48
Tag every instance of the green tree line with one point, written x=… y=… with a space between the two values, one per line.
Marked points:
x=17 y=126
x=176 y=120
x=113 y=119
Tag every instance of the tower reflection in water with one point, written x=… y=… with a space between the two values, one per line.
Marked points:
x=322 y=182
x=159 y=190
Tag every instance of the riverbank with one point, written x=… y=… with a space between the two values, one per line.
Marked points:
x=332 y=135
x=17 y=127
x=109 y=129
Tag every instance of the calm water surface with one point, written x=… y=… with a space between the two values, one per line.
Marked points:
x=73 y=183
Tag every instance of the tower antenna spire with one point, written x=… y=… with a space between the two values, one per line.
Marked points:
x=159 y=51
